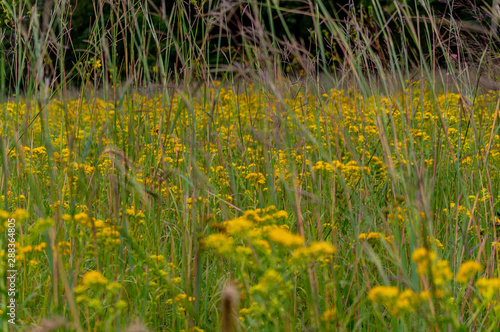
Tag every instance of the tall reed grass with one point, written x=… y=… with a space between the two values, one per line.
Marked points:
x=194 y=169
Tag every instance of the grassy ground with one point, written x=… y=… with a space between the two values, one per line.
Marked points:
x=261 y=203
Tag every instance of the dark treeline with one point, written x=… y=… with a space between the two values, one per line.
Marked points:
x=171 y=38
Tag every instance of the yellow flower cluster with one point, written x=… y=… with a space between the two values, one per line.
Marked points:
x=317 y=251
x=283 y=237
x=424 y=259
x=223 y=244
x=94 y=278
x=467 y=271
x=256 y=178
x=108 y=235
x=396 y=302
x=373 y=237
x=182 y=172
x=95 y=290
x=488 y=288
x=349 y=171
x=257 y=225
x=440 y=270
x=268 y=282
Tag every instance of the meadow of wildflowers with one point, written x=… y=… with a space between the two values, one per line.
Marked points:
x=317 y=224
x=251 y=204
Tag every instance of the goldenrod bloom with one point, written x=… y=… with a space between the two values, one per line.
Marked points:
x=423 y=258
x=238 y=225
x=220 y=242
x=285 y=238
x=467 y=271
x=488 y=287
x=441 y=272
x=94 y=278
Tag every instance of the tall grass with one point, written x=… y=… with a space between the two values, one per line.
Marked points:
x=147 y=165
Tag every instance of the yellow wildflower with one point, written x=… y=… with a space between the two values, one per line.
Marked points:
x=488 y=287
x=285 y=238
x=384 y=295
x=441 y=272
x=320 y=251
x=159 y=259
x=423 y=258
x=280 y=215
x=258 y=178
x=120 y=305
x=220 y=242
x=467 y=271
x=238 y=225
x=268 y=282
x=181 y=297
x=329 y=315
x=92 y=278
x=407 y=301
x=395 y=302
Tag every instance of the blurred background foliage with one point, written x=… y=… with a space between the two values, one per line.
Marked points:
x=173 y=38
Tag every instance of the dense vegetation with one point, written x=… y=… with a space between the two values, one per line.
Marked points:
x=199 y=166
x=170 y=40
